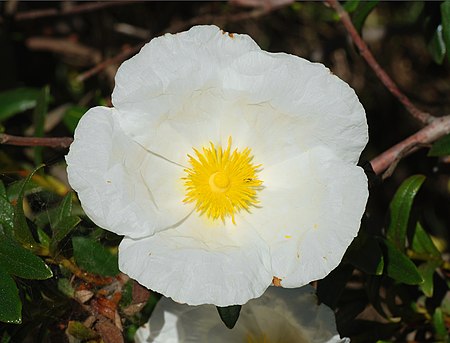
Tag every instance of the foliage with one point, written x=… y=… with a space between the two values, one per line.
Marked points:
x=59 y=274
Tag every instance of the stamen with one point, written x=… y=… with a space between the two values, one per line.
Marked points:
x=220 y=182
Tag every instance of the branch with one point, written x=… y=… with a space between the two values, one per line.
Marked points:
x=202 y=19
x=423 y=117
x=116 y=59
x=438 y=128
x=52 y=142
x=53 y=12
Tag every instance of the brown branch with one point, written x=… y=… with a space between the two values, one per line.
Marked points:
x=52 y=142
x=423 y=117
x=178 y=26
x=53 y=12
x=430 y=133
x=116 y=59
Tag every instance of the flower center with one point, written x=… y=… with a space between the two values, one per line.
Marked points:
x=221 y=182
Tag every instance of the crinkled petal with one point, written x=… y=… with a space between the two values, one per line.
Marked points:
x=200 y=262
x=122 y=187
x=310 y=211
x=309 y=105
x=201 y=85
x=280 y=315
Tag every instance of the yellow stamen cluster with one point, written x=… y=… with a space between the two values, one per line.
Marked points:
x=221 y=182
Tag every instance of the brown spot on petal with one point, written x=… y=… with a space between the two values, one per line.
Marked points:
x=231 y=35
x=276 y=281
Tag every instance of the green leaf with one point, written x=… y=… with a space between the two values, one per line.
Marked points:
x=439 y=324
x=61 y=230
x=6 y=215
x=17 y=100
x=441 y=147
x=39 y=119
x=66 y=288
x=2 y=189
x=21 y=230
x=15 y=188
x=436 y=46
x=73 y=116
x=445 y=15
x=365 y=254
x=94 y=257
x=65 y=208
x=21 y=262
x=422 y=243
x=427 y=270
x=362 y=12
x=10 y=304
x=44 y=239
x=351 y=5
x=330 y=289
x=229 y=315
x=81 y=332
x=400 y=208
x=398 y=266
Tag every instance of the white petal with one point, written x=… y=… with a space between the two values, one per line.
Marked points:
x=188 y=88
x=310 y=212
x=166 y=86
x=280 y=315
x=309 y=105
x=116 y=180
x=200 y=263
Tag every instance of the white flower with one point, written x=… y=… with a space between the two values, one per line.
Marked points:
x=280 y=315
x=225 y=167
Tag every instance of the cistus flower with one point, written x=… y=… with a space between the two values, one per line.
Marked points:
x=280 y=315
x=227 y=168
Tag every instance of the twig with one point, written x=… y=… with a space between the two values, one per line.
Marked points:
x=102 y=65
x=53 y=12
x=438 y=128
x=52 y=142
x=423 y=117
x=203 y=19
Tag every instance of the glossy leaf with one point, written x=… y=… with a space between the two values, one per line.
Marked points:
x=229 y=315
x=436 y=46
x=351 y=5
x=61 y=230
x=441 y=147
x=398 y=266
x=44 y=239
x=400 y=208
x=10 y=304
x=422 y=243
x=21 y=230
x=21 y=262
x=73 y=116
x=6 y=215
x=445 y=15
x=16 y=101
x=362 y=12
x=427 y=270
x=94 y=257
